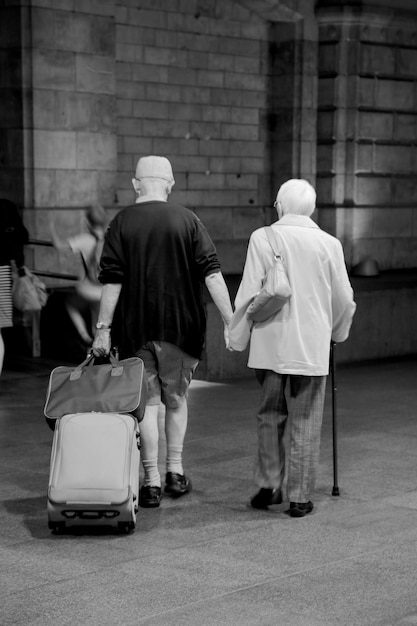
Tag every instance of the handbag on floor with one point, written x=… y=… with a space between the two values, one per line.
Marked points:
x=276 y=289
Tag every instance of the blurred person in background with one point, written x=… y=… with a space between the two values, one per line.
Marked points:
x=83 y=306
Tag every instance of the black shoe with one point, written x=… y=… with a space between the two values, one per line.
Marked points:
x=266 y=497
x=299 y=509
x=176 y=484
x=150 y=496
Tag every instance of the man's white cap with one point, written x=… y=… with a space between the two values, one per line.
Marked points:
x=154 y=167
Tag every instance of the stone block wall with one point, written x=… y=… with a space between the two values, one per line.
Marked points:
x=196 y=82
x=72 y=161
x=367 y=132
x=383 y=325
x=224 y=88
x=73 y=103
x=191 y=85
x=11 y=105
x=228 y=90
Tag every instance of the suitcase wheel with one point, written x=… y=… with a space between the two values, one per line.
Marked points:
x=56 y=527
x=126 y=527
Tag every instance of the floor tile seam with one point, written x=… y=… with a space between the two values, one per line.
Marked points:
x=143 y=558
x=67 y=579
x=127 y=550
x=214 y=435
x=273 y=579
x=209 y=464
x=218 y=597
x=203 y=542
x=22 y=445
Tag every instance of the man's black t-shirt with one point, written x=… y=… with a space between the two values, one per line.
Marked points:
x=160 y=253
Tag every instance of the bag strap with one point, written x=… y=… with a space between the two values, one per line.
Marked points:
x=84 y=264
x=91 y=358
x=272 y=241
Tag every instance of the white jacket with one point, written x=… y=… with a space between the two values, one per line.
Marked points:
x=297 y=339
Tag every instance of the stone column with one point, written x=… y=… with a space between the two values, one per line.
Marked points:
x=11 y=104
x=367 y=131
x=70 y=117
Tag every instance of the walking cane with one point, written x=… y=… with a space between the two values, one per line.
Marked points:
x=335 y=490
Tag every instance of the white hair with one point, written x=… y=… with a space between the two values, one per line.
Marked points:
x=297 y=196
x=150 y=186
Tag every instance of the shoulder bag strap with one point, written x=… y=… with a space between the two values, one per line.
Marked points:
x=272 y=241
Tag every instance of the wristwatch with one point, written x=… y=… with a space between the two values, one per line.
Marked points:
x=102 y=326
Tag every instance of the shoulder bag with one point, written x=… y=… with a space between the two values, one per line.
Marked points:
x=28 y=292
x=276 y=289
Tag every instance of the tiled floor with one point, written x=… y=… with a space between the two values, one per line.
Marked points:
x=208 y=559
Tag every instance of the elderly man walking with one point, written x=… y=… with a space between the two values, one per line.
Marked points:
x=156 y=256
x=290 y=351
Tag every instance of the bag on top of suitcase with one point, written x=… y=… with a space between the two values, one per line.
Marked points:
x=114 y=386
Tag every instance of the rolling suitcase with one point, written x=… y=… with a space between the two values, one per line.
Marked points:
x=94 y=472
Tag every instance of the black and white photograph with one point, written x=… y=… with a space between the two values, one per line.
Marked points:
x=208 y=312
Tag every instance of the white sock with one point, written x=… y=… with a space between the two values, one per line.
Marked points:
x=174 y=459
x=152 y=477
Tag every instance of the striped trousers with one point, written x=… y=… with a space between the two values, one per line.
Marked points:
x=297 y=401
x=6 y=305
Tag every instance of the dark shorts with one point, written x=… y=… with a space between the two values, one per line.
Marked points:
x=169 y=372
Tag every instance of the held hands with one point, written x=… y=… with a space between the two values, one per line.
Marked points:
x=227 y=338
x=102 y=343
